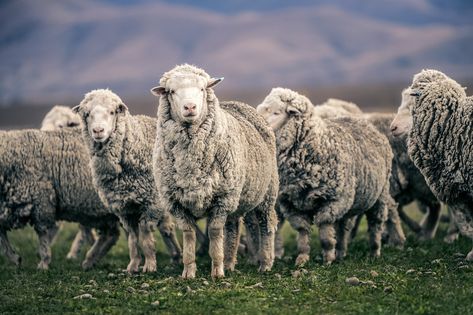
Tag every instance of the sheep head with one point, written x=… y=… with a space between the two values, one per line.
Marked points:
x=402 y=123
x=60 y=117
x=186 y=88
x=99 y=111
x=281 y=104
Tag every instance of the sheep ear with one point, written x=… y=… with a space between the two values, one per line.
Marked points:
x=121 y=108
x=158 y=90
x=292 y=111
x=214 y=81
x=76 y=109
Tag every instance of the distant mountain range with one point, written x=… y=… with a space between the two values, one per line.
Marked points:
x=53 y=50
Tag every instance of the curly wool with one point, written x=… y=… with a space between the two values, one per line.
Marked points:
x=333 y=107
x=440 y=142
x=44 y=177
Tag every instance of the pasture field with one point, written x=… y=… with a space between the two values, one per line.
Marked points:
x=425 y=278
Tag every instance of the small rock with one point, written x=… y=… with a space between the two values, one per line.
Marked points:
x=463 y=267
x=388 y=289
x=277 y=276
x=155 y=303
x=75 y=277
x=226 y=284
x=189 y=290
x=436 y=261
x=296 y=274
x=369 y=282
x=131 y=290
x=408 y=272
x=374 y=273
x=145 y=285
x=111 y=275
x=93 y=283
x=205 y=283
x=352 y=281
x=106 y=291
x=304 y=271
x=258 y=285
x=296 y=290
x=458 y=255
x=84 y=296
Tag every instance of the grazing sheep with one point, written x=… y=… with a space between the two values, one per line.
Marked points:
x=331 y=170
x=60 y=117
x=57 y=118
x=214 y=160
x=44 y=178
x=120 y=147
x=439 y=128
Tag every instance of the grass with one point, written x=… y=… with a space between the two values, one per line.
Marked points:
x=424 y=278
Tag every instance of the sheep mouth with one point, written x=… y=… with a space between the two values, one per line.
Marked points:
x=189 y=114
x=99 y=139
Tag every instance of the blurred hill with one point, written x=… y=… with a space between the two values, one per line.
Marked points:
x=55 y=51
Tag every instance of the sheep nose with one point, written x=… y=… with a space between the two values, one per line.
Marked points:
x=189 y=106
x=393 y=128
x=97 y=129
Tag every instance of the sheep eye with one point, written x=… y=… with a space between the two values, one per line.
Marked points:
x=276 y=113
x=86 y=115
x=202 y=89
x=172 y=92
x=112 y=112
x=60 y=126
x=72 y=124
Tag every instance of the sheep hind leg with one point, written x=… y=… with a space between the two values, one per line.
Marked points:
x=301 y=224
x=148 y=245
x=343 y=229
x=394 y=231
x=168 y=233
x=135 y=257
x=356 y=226
x=203 y=240
x=430 y=222
x=106 y=239
x=232 y=239
x=45 y=236
x=278 y=239
x=83 y=235
x=452 y=232
x=252 y=237
x=188 y=251
x=8 y=250
x=376 y=217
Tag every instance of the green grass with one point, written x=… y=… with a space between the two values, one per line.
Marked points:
x=438 y=284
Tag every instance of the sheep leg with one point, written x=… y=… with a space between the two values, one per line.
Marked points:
x=216 y=225
x=188 y=251
x=203 y=239
x=452 y=232
x=343 y=229
x=278 y=239
x=430 y=222
x=83 y=235
x=376 y=217
x=301 y=224
x=463 y=217
x=168 y=233
x=355 y=228
x=147 y=244
x=252 y=237
x=396 y=236
x=232 y=240
x=45 y=236
x=413 y=225
x=135 y=257
x=8 y=250
x=105 y=240
x=327 y=241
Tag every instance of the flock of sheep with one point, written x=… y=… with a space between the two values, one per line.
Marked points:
x=327 y=165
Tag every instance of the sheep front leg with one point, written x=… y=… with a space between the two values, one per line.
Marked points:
x=8 y=250
x=83 y=235
x=45 y=235
x=327 y=241
x=376 y=217
x=168 y=233
x=301 y=224
x=344 y=227
x=452 y=232
x=135 y=257
x=147 y=244
x=188 y=252
x=431 y=221
x=106 y=239
x=396 y=236
x=461 y=214
x=216 y=225
x=232 y=239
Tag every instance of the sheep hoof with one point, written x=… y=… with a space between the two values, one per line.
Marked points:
x=301 y=260
x=376 y=253
x=176 y=259
x=43 y=265
x=189 y=271
x=87 y=264
x=230 y=265
x=149 y=266
x=450 y=238
x=17 y=260
x=279 y=253
x=217 y=271
x=71 y=256
x=133 y=267
x=265 y=267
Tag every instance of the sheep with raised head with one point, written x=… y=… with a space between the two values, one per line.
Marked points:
x=439 y=128
x=214 y=160
x=57 y=118
x=331 y=170
x=120 y=147
x=44 y=178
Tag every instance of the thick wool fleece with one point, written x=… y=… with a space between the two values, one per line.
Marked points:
x=221 y=168
x=440 y=143
x=60 y=117
x=44 y=177
x=335 y=107
x=122 y=173
x=332 y=170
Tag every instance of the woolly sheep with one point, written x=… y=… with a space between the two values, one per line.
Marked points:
x=214 y=160
x=44 y=177
x=331 y=170
x=120 y=147
x=440 y=143
x=57 y=118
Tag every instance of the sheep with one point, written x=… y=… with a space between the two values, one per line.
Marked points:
x=439 y=128
x=331 y=170
x=120 y=147
x=214 y=160
x=44 y=178
x=57 y=118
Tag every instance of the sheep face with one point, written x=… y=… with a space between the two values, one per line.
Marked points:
x=99 y=111
x=273 y=111
x=187 y=94
x=60 y=117
x=402 y=123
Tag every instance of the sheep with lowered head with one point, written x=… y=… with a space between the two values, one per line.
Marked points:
x=214 y=160
x=57 y=118
x=439 y=128
x=120 y=147
x=331 y=170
